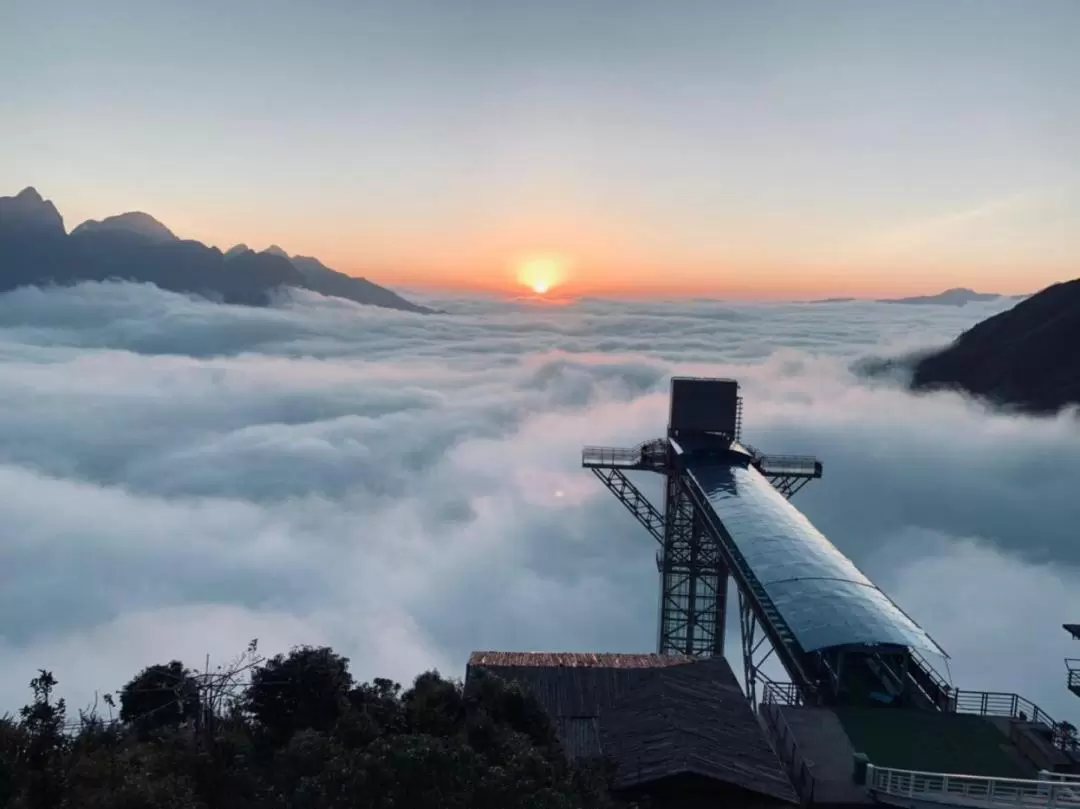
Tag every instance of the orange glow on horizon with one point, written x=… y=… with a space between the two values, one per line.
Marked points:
x=645 y=280
x=542 y=273
x=555 y=259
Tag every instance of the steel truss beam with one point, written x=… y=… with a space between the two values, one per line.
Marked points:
x=630 y=496
x=756 y=650
x=788 y=485
x=693 y=581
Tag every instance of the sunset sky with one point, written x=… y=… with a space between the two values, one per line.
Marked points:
x=757 y=149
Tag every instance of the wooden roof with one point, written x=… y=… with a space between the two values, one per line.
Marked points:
x=577 y=660
x=569 y=690
x=692 y=720
x=656 y=716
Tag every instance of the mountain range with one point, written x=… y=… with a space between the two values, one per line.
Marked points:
x=950 y=297
x=37 y=250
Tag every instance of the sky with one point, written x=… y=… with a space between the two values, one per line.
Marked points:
x=740 y=150
x=178 y=477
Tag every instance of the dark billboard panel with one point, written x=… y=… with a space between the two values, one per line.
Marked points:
x=703 y=405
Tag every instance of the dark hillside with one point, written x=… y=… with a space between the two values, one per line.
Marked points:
x=1027 y=358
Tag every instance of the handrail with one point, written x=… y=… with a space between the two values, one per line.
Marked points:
x=611 y=453
x=1066 y=777
x=977 y=789
x=930 y=671
x=800 y=770
x=623 y=456
x=799 y=465
x=1074 y=678
x=776 y=693
x=808 y=459
x=1001 y=703
x=1072 y=667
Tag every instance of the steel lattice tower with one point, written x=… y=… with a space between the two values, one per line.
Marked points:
x=726 y=518
x=693 y=574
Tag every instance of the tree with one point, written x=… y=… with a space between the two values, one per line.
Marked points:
x=375 y=709
x=13 y=744
x=163 y=695
x=304 y=738
x=434 y=705
x=1065 y=736
x=307 y=689
x=43 y=722
x=495 y=706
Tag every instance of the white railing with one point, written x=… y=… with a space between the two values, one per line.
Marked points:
x=1049 y=790
x=1061 y=777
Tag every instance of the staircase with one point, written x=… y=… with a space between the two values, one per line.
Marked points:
x=930 y=682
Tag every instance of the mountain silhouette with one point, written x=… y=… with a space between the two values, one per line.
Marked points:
x=236 y=250
x=36 y=250
x=28 y=212
x=950 y=297
x=136 y=224
x=1022 y=358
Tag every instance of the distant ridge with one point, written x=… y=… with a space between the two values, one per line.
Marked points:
x=1024 y=358
x=950 y=297
x=36 y=250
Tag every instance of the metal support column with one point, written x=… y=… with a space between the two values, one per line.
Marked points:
x=756 y=649
x=693 y=587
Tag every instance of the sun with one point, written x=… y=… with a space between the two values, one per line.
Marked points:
x=542 y=273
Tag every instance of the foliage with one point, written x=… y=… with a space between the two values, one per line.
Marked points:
x=293 y=732
x=160 y=696
x=307 y=689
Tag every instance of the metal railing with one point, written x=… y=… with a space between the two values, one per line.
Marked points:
x=775 y=693
x=973 y=789
x=805 y=465
x=611 y=456
x=651 y=450
x=800 y=770
x=942 y=684
x=1072 y=666
x=1000 y=703
x=983 y=703
x=1064 y=777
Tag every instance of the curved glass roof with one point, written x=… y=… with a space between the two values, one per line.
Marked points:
x=825 y=600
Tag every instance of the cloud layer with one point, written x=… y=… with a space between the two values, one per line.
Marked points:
x=177 y=477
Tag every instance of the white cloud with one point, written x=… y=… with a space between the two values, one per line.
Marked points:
x=177 y=477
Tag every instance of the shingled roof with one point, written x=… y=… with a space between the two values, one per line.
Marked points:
x=656 y=716
x=604 y=660
x=692 y=720
x=571 y=685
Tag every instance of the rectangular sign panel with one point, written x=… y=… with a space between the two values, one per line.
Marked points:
x=703 y=405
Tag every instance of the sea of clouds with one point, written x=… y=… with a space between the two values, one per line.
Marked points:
x=178 y=477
